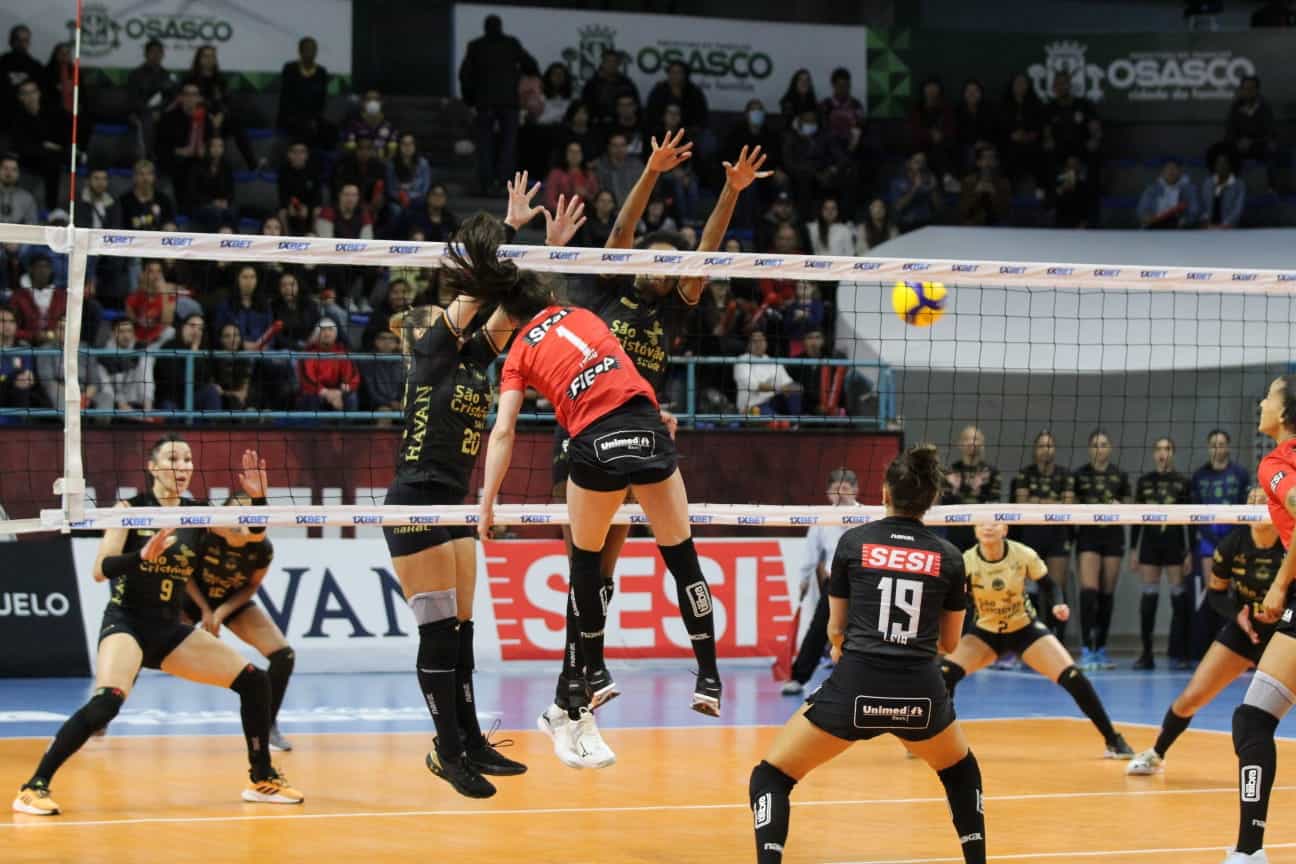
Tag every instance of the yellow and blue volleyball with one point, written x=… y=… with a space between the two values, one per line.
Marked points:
x=920 y=304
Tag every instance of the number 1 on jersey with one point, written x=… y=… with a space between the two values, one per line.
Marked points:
x=906 y=596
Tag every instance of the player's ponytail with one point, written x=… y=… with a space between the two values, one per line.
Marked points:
x=914 y=479
x=478 y=272
x=1289 y=402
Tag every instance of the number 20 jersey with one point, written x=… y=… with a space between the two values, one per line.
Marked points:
x=899 y=577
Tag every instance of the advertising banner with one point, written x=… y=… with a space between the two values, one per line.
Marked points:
x=40 y=611
x=731 y=61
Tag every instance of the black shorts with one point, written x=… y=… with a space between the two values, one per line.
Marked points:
x=864 y=698
x=1287 y=623
x=1014 y=641
x=1168 y=550
x=157 y=635
x=194 y=614
x=1050 y=541
x=407 y=539
x=1107 y=540
x=628 y=446
x=1232 y=638
x=558 y=468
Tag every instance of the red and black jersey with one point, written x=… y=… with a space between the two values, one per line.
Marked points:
x=1278 y=477
x=571 y=357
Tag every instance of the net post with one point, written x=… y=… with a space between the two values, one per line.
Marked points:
x=690 y=389
x=189 y=387
x=71 y=486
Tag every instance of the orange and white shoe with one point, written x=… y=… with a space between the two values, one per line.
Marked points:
x=35 y=801
x=272 y=790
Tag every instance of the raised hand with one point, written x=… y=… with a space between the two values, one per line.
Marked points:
x=157 y=544
x=670 y=153
x=562 y=224
x=520 y=211
x=253 y=477
x=742 y=173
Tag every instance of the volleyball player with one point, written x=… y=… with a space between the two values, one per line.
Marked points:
x=898 y=592
x=1247 y=559
x=222 y=592
x=1099 y=548
x=1219 y=480
x=1157 y=548
x=1044 y=482
x=619 y=440
x=1272 y=691
x=447 y=398
x=998 y=572
x=646 y=314
x=142 y=628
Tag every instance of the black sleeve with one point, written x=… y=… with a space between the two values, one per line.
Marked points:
x=1222 y=568
x=957 y=597
x=839 y=577
x=119 y=565
x=1048 y=592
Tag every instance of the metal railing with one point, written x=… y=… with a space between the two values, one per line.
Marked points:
x=689 y=416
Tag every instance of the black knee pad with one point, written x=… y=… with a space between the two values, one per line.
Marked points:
x=765 y=776
x=1251 y=724
x=102 y=707
x=439 y=645
x=250 y=680
x=1068 y=675
x=283 y=658
x=964 y=774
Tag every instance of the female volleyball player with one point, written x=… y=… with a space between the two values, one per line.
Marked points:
x=1158 y=547
x=619 y=440
x=1247 y=559
x=142 y=628
x=1273 y=687
x=1099 y=548
x=647 y=314
x=1044 y=482
x=897 y=593
x=222 y=592
x=447 y=398
x=998 y=570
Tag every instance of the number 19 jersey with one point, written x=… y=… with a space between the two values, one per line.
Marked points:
x=899 y=577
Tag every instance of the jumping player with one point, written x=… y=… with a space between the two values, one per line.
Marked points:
x=1247 y=559
x=1044 y=482
x=447 y=398
x=1157 y=548
x=897 y=593
x=998 y=570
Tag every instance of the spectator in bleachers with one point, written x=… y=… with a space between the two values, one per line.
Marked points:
x=570 y=178
x=803 y=157
x=599 y=222
x=171 y=384
x=364 y=168
x=183 y=134
x=781 y=212
x=802 y=314
x=232 y=375
x=398 y=298
x=764 y=388
x=384 y=380
x=843 y=114
x=41 y=136
x=299 y=191
x=126 y=380
x=556 y=89
x=725 y=320
x=986 y=196
x=150 y=89
x=1022 y=117
x=1223 y=195
x=303 y=97
x=608 y=84
x=1073 y=197
x=11 y=362
x=829 y=235
x=21 y=390
x=823 y=387
x=349 y=220
x=409 y=176
x=206 y=73
x=56 y=85
x=877 y=228
x=1252 y=131
x=616 y=170
x=931 y=131
x=245 y=309
x=98 y=209
x=545 y=110
x=327 y=383
x=209 y=193
x=296 y=315
x=16 y=203
x=49 y=370
x=576 y=127
x=629 y=124
x=975 y=124
x=38 y=303
x=656 y=218
x=754 y=130
x=1071 y=127
x=17 y=66
x=1170 y=201
x=97 y=203
x=492 y=67
x=433 y=220
x=151 y=307
x=144 y=208
x=916 y=195
x=679 y=89
x=799 y=97
x=374 y=125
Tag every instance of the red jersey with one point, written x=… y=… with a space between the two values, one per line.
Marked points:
x=571 y=357
x=1277 y=476
x=147 y=309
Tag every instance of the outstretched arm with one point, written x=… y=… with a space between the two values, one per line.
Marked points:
x=738 y=176
x=665 y=156
x=499 y=452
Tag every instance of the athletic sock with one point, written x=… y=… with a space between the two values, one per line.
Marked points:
x=1147 y=615
x=253 y=688
x=962 y=783
x=1086 y=698
x=769 y=792
x=1180 y=621
x=465 y=702
x=97 y=713
x=438 y=655
x=1253 y=741
x=696 y=608
x=1088 y=615
x=953 y=674
x=1105 y=606
x=1172 y=726
x=587 y=597
x=573 y=657
x=281 y=669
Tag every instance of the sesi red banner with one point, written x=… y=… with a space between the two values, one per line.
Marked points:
x=749 y=582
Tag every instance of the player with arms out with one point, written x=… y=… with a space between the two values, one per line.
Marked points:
x=1247 y=559
x=998 y=570
x=897 y=594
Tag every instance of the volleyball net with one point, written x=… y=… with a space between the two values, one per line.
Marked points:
x=791 y=367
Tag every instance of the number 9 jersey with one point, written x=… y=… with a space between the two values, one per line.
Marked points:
x=899 y=577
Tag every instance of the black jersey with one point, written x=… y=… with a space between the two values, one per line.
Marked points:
x=1157 y=488
x=224 y=569
x=647 y=327
x=137 y=538
x=978 y=484
x=158 y=587
x=447 y=397
x=899 y=576
x=1250 y=568
x=1091 y=486
x=1040 y=488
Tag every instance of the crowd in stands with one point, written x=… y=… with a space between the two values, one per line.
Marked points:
x=362 y=176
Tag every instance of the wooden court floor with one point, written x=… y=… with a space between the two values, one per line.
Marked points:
x=675 y=795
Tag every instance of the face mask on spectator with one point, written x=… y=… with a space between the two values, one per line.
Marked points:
x=809 y=129
x=756 y=117
x=373 y=106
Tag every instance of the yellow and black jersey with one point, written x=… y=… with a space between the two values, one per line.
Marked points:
x=1090 y=485
x=157 y=587
x=998 y=588
x=1156 y=487
x=1249 y=567
x=647 y=327
x=224 y=569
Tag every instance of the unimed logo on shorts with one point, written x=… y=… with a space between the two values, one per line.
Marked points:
x=631 y=444
x=892 y=712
